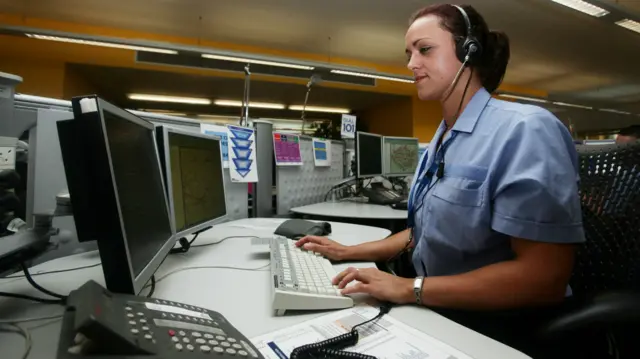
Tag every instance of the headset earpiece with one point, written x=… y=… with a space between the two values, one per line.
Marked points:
x=469 y=45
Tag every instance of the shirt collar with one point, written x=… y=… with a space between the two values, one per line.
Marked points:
x=469 y=117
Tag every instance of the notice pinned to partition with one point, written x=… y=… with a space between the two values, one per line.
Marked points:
x=348 y=129
x=223 y=133
x=286 y=148
x=242 y=154
x=322 y=152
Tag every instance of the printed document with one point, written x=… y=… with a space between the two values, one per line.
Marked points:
x=386 y=338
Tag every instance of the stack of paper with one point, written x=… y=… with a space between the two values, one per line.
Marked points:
x=385 y=338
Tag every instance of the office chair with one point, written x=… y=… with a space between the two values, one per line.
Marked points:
x=606 y=277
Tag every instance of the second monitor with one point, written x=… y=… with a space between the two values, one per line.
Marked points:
x=369 y=154
x=193 y=173
x=400 y=156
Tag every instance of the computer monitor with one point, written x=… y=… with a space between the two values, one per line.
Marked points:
x=400 y=156
x=117 y=191
x=369 y=152
x=192 y=167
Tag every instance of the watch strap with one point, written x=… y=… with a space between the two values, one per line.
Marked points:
x=417 y=289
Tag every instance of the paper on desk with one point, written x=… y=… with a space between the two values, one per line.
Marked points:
x=387 y=338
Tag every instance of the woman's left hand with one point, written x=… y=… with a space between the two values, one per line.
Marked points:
x=378 y=284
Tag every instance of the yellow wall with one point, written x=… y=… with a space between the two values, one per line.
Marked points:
x=40 y=77
x=390 y=119
x=426 y=118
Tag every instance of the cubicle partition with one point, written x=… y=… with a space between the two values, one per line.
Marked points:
x=307 y=184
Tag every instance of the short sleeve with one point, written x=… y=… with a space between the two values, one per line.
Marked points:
x=535 y=182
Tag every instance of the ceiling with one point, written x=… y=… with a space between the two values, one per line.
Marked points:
x=569 y=54
x=115 y=83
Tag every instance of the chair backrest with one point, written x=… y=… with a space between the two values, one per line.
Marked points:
x=610 y=196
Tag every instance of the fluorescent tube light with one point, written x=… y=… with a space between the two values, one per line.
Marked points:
x=164 y=112
x=584 y=7
x=629 y=24
x=532 y=99
x=257 y=62
x=173 y=99
x=371 y=76
x=319 y=109
x=232 y=103
x=572 y=105
x=615 y=111
x=101 y=43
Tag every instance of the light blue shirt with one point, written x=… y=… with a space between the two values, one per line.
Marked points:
x=510 y=171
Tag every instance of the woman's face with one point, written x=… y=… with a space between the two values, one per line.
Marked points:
x=431 y=54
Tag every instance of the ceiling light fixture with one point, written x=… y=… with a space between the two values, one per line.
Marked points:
x=572 y=105
x=372 y=76
x=164 y=112
x=615 y=111
x=232 y=103
x=172 y=99
x=584 y=7
x=629 y=24
x=101 y=43
x=532 y=99
x=257 y=62
x=319 y=109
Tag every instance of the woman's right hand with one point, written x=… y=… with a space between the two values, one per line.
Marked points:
x=327 y=248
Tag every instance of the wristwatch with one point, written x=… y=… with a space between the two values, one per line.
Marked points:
x=417 y=289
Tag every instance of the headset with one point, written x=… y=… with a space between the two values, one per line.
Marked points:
x=468 y=50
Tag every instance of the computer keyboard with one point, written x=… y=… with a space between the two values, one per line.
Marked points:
x=302 y=280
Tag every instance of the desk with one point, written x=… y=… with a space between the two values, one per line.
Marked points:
x=347 y=209
x=366 y=214
x=247 y=302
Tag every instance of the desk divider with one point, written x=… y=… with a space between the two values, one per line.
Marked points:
x=307 y=184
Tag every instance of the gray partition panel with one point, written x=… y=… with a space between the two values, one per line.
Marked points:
x=308 y=184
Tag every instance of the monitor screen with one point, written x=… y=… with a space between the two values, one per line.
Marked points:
x=369 y=154
x=196 y=181
x=400 y=156
x=140 y=191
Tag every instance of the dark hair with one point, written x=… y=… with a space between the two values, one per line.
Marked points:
x=632 y=131
x=492 y=64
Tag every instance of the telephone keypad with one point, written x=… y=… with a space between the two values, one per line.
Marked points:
x=201 y=341
x=231 y=340
x=175 y=339
x=225 y=344
x=135 y=331
x=231 y=351
x=148 y=336
x=205 y=348
x=196 y=335
x=218 y=350
x=145 y=328
x=190 y=347
x=237 y=346
x=213 y=342
x=179 y=346
x=186 y=340
x=208 y=336
x=242 y=353
x=182 y=333
x=132 y=322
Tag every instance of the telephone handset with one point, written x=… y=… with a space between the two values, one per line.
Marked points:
x=99 y=324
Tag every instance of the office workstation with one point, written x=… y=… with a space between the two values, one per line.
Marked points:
x=154 y=185
x=302 y=180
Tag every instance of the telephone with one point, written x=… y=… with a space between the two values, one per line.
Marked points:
x=378 y=194
x=99 y=324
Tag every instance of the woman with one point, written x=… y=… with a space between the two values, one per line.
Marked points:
x=494 y=211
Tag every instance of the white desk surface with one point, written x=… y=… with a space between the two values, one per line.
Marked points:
x=243 y=297
x=347 y=209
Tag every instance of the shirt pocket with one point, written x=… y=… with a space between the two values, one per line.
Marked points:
x=462 y=185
